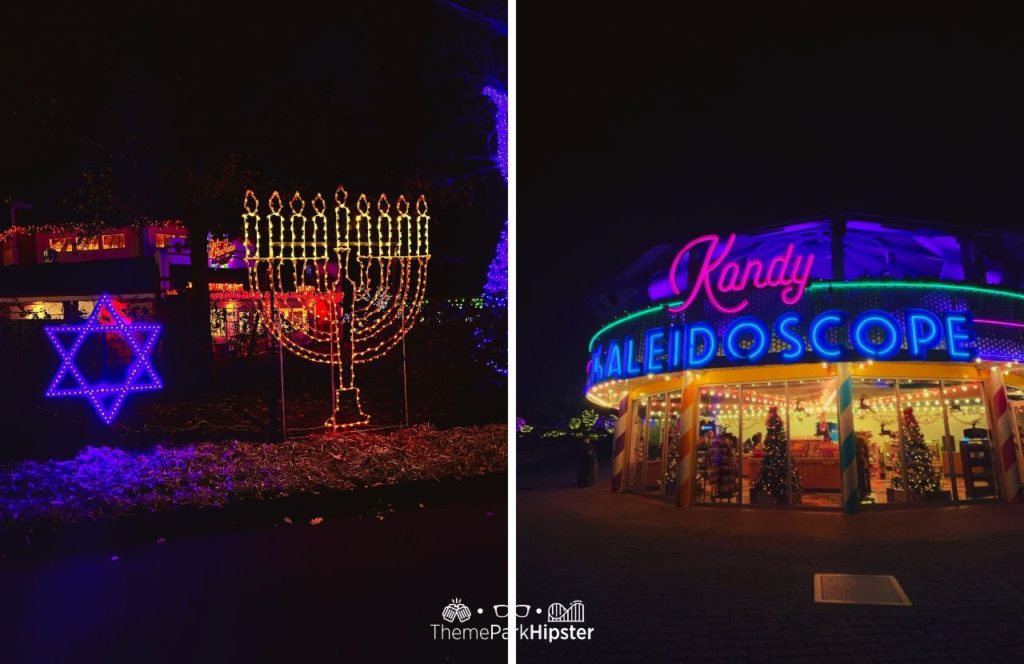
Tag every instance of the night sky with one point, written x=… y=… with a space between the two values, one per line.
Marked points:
x=644 y=129
x=378 y=96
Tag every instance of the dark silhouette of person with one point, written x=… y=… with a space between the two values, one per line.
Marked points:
x=587 y=469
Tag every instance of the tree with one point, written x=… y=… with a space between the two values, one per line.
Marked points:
x=589 y=424
x=918 y=474
x=586 y=427
x=212 y=196
x=771 y=480
x=491 y=333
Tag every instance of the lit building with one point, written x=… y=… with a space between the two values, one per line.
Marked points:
x=836 y=363
x=58 y=273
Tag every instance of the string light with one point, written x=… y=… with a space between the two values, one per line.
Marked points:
x=358 y=287
x=106 y=398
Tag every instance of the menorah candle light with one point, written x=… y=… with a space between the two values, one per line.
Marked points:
x=353 y=285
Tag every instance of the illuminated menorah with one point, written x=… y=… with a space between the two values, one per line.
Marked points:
x=345 y=292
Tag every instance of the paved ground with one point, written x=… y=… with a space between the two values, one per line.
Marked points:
x=713 y=584
x=351 y=589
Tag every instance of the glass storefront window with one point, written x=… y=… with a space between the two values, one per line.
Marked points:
x=969 y=443
x=923 y=436
x=674 y=427
x=657 y=410
x=717 y=452
x=876 y=431
x=771 y=477
x=814 y=442
x=635 y=456
x=778 y=443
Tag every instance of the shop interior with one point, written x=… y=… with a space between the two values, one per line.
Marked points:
x=777 y=443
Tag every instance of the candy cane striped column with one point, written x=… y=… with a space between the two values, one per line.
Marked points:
x=687 y=441
x=619 y=445
x=1002 y=436
x=847 y=440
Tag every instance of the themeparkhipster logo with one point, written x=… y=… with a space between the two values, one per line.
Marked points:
x=563 y=622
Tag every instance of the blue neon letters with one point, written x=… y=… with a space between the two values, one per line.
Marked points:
x=654 y=348
x=891 y=341
x=959 y=331
x=832 y=335
x=758 y=348
x=783 y=328
x=818 y=334
x=924 y=331
x=708 y=348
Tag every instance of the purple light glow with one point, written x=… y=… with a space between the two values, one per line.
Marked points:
x=106 y=398
x=496 y=288
x=660 y=289
x=497 y=272
x=500 y=99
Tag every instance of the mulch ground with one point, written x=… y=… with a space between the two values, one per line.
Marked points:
x=104 y=483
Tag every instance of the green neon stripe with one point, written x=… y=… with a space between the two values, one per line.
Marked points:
x=622 y=320
x=838 y=285
x=911 y=285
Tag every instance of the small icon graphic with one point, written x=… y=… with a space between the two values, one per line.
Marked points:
x=501 y=610
x=456 y=611
x=573 y=613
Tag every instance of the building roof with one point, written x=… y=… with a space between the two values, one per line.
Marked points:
x=120 y=276
x=874 y=246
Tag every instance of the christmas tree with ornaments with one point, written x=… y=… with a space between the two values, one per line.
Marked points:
x=771 y=480
x=918 y=476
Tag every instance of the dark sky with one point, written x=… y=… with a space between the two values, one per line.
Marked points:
x=379 y=96
x=646 y=128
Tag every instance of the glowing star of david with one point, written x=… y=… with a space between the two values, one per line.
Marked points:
x=106 y=398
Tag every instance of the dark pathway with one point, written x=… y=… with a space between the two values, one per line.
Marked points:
x=348 y=590
x=704 y=584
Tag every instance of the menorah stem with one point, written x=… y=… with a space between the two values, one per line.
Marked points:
x=347 y=411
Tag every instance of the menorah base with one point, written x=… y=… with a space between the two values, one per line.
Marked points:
x=348 y=412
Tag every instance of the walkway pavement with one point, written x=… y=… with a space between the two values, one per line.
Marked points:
x=723 y=584
x=356 y=587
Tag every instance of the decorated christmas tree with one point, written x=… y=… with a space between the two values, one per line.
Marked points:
x=772 y=478
x=491 y=333
x=920 y=476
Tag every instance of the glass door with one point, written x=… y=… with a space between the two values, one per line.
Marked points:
x=813 y=415
x=718 y=453
x=637 y=445
x=925 y=438
x=969 y=441
x=657 y=412
x=876 y=426
x=772 y=477
x=674 y=431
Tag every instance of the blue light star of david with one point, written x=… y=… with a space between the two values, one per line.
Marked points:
x=106 y=398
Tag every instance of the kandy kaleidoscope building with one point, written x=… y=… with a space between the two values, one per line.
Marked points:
x=835 y=363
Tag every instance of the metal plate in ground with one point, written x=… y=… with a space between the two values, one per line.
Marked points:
x=859 y=589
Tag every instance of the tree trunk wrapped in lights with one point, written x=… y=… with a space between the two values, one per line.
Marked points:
x=918 y=474
x=771 y=480
x=347 y=290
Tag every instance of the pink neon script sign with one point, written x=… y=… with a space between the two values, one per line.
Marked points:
x=718 y=275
